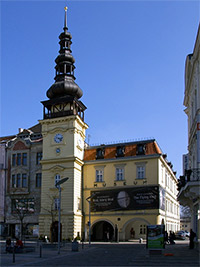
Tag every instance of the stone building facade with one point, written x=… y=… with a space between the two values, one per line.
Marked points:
x=189 y=185
x=23 y=182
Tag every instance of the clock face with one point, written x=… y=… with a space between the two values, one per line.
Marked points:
x=58 y=138
x=57 y=150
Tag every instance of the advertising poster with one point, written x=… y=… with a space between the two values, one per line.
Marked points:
x=155 y=236
x=134 y=198
x=162 y=199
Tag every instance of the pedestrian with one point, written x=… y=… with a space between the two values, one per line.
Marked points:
x=192 y=236
x=18 y=245
x=8 y=245
x=171 y=237
x=166 y=238
x=132 y=232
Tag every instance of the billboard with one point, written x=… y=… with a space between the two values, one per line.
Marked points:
x=132 y=198
x=155 y=236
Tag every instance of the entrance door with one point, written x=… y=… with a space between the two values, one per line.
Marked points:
x=54 y=231
x=102 y=231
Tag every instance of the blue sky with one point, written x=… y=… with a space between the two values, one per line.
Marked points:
x=130 y=61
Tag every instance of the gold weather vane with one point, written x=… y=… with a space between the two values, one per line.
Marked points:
x=65 y=8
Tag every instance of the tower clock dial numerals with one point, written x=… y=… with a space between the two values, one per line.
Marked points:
x=58 y=138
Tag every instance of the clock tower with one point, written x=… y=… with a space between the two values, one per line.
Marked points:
x=63 y=130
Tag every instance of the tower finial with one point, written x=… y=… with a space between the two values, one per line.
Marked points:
x=65 y=23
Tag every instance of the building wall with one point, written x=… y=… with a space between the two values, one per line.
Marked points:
x=157 y=173
x=2 y=184
x=189 y=195
x=67 y=162
x=23 y=144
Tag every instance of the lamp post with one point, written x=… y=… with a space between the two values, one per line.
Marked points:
x=59 y=208
x=89 y=201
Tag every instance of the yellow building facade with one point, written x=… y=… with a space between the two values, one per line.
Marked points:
x=128 y=191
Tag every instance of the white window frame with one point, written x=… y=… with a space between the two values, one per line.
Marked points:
x=99 y=174
x=141 y=170
x=119 y=172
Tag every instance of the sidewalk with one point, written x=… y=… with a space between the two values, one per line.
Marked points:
x=107 y=254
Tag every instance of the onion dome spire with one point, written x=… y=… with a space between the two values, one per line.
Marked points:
x=64 y=80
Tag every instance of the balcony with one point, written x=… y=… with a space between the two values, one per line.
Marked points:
x=189 y=187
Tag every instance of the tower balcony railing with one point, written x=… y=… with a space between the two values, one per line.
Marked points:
x=51 y=115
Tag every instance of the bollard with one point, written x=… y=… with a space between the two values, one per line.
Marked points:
x=74 y=245
x=40 y=251
x=13 y=254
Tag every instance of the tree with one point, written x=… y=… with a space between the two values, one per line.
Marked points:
x=21 y=208
x=53 y=211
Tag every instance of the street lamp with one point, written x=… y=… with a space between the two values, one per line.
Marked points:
x=59 y=208
x=89 y=201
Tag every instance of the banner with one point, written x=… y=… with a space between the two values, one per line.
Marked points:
x=134 y=198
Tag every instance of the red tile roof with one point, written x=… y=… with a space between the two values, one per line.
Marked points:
x=130 y=150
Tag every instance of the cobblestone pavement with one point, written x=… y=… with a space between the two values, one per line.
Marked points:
x=107 y=254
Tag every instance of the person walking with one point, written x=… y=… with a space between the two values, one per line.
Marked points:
x=171 y=238
x=132 y=232
x=166 y=238
x=18 y=245
x=192 y=236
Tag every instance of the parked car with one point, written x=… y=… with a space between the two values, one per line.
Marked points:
x=187 y=234
x=180 y=235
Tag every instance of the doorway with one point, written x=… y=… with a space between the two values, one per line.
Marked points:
x=54 y=231
x=102 y=231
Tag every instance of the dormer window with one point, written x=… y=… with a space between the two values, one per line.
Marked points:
x=100 y=153
x=120 y=151
x=141 y=149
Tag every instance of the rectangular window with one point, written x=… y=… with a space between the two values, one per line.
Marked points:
x=119 y=174
x=18 y=182
x=142 y=229
x=56 y=202
x=23 y=205
x=38 y=157
x=24 y=159
x=14 y=160
x=99 y=175
x=18 y=159
x=141 y=172
x=24 y=180
x=79 y=203
x=13 y=181
x=38 y=179
x=57 y=178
